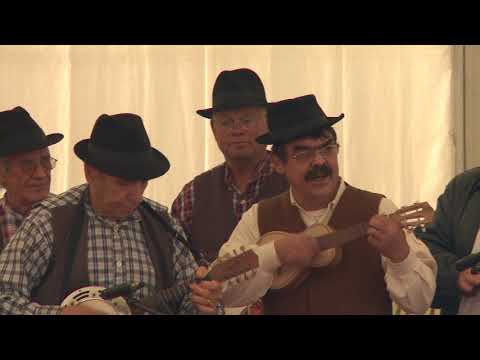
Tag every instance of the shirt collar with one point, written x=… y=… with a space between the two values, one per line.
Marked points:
x=135 y=216
x=9 y=210
x=264 y=167
x=330 y=206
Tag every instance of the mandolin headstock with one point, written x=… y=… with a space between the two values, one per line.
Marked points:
x=418 y=214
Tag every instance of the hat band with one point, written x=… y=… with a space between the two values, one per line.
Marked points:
x=231 y=100
x=100 y=152
x=24 y=142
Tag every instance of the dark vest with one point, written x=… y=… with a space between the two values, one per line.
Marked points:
x=54 y=287
x=213 y=213
x=2 y=245
x=355 y=285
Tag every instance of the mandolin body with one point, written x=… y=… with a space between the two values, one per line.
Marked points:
x=288 y=275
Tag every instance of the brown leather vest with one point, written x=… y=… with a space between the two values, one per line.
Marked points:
x=54 y=287
x=355 y=285
x=213 y=213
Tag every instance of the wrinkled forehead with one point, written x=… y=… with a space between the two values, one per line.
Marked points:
x=312 y=141
x=31 y=155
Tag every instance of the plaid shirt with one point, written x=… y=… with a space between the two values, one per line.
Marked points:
x=182 y=207
x=117 y=254
x=10 y=221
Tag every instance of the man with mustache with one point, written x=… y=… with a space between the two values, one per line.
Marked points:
x=25 y=168
x=392 y=264
x=103 y=233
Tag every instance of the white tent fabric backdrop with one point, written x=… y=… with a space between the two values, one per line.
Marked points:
x=397 y=137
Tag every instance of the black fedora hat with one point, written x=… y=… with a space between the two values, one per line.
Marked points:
x=119 y=146
x=234 y=89
x=295 y=118
x=20 y=133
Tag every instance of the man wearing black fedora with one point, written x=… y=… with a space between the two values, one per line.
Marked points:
x=364 y=276
x=221 y=195
x=25 y=168
x=103 y=233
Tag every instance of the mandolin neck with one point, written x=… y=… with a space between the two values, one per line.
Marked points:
x=341 y=237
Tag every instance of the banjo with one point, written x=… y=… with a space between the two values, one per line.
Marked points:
x=233 y=267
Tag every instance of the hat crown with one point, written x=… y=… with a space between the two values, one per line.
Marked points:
x=295 y=118
x=237 y=83
x=292 y=112
x=18 y=122
x=120 y=133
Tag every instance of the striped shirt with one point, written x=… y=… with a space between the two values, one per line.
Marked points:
x=116 y=254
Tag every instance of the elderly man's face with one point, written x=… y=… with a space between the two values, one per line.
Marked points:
x=236 y=130
x=311 y=167
x=26 y=177
x=113 y=197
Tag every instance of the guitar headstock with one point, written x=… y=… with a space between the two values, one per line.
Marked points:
x=418 y=214
x=236 y=266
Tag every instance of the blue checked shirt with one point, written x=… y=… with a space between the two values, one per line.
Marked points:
x=117 y=253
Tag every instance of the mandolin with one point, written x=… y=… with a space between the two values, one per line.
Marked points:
x=331 y=242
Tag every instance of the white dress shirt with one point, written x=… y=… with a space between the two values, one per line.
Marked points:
x=410 y=283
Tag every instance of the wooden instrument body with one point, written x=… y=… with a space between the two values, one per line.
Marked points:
x=287 y=274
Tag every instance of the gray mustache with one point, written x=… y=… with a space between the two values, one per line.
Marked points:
x=318 y=171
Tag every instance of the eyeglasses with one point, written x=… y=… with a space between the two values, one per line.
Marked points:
x=309 y=154
x=229 y=123
x=29 y=166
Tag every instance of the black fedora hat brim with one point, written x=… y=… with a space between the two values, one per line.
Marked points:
x=207 y=113
x=293 y=133
x=27 y=143
x=130 y=166
x=54 y=138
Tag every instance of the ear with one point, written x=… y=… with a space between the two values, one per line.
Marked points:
x=88 y=172
x=212 y=126
x=278 y=164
